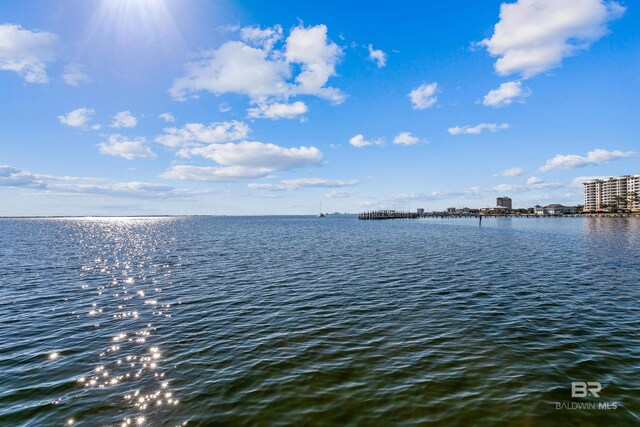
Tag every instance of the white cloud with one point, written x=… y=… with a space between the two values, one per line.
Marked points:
x=317 y=57
x=405 y=138
x=259 y=156
x=77 y=118
x=471 y=192
x=533 y=36
x=193 y=134
x=278 y=110
x=359 y=141
x=13 y=177
x=511 y=172
x=208 y=173
x=506 y=188
x=491 y=127
x=167 y=117
x=262 y=38
x=528 y=186
x=377 y=56
x=263 y=72
x=128 y=148
x=298 y=183
x=319 y=182
x=595 y=157
x=269 y=187
x=339 y=194
x=27 y=52
x=534 y=180
x=578 y=181
x=124 y=119
x=505 y=94
x=244 y=160
x=424 y=96
x=235 y=67
x=74 y=75
x=465 y=194
x=134 y=190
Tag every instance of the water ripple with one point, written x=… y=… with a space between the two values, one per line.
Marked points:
x=299 y=321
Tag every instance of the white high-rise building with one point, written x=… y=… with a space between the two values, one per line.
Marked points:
x=601 y=194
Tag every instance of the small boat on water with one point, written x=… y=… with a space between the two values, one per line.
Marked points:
x=321 y=215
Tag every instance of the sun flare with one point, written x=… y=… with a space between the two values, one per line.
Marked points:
x=129 y=25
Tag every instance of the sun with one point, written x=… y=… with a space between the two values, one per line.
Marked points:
x=132 y=25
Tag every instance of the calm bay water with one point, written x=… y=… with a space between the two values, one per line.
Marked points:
x=305 y=321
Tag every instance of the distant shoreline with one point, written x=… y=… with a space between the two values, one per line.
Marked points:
x=577 y=215
x=386 y=215
x=600 y=215
x=438 y=215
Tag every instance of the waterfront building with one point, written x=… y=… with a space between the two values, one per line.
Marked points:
x=554 y=209
x=420 y=212
x=495 y=210
x=504 y=202
x=620 y=192
x=467 y=211
x=470 y=211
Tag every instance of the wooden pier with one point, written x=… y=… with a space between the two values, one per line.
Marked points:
x=388 y=214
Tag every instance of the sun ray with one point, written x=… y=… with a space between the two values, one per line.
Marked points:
x=133 y=31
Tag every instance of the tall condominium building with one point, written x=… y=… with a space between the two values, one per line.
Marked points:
x=504 y=202
x=600 y=195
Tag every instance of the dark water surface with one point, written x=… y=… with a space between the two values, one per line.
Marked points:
x=305 y=321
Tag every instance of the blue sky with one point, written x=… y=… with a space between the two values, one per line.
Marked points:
x=247 y=107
